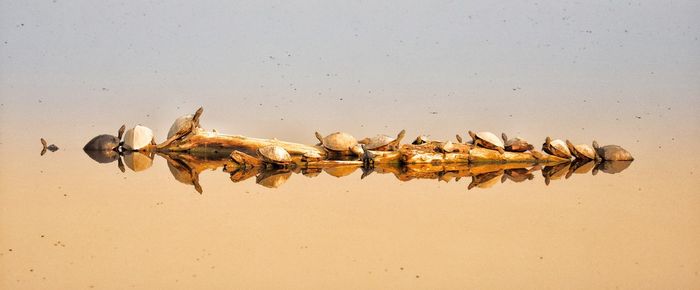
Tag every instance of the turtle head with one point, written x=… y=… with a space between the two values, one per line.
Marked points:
x=548 y=140
x=459 y=138
x=401 y=135
x=530 y=147
x=505 y=138
x=120 y=132
x=473 y=135
x=595 y=145
x=196 y=116
x=570 y=145
x=319 y=137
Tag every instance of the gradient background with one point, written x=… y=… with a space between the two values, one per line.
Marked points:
x=622 y=72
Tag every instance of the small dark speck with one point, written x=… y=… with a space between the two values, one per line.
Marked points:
x=541 y=258
x=433 y=113
x=10 y=250
x=417 y=276
x=39 y=101
x=31 y=270
x=341 y=99
x=638 y=117
x=399 y=268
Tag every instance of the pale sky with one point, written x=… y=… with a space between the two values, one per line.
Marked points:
x=585 y=69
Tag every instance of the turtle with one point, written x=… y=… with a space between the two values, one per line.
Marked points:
x=422 y=139
x=275 y=155
x=446 y=147
x=138 y=138
x=516 y=144
x=487 y=140
x=612 y=153
x=51 y=147
x=311 y=156
x=556 y=147
x=106 y=142
x=340 y=143
x=582 y=151
x=182 y=127
x=383 y=142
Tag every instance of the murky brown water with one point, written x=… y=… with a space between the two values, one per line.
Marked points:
x=68 y=222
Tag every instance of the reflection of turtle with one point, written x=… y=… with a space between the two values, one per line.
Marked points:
x=612 y=167
x=367 y=157
x=487 y=140
x=311 y=172
x=182 y=127
x=516 y=144
x=183 y=173
x=273 y=178
x=311 y=156
x=555 y=172
x=138 y=161
x=341 y=170
x=581 y=151
x=518 y=174
x=138 y=138
x=612 y=152
x=383 y=142
x=556 y=147
x=485 y=180
x=275 y=155
x=580 y=166
x=340 y=143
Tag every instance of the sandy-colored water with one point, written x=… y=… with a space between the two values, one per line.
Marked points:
x=70 y=223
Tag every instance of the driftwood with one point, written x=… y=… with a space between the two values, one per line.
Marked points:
x=243 y=151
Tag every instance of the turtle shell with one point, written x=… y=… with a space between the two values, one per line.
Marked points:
x=583 y=151
x=557 y=148
x=104 y=142
x=517 y=144
x=179 y=124
x=491 y=139
x=614 y=153
x=137 y=138
x=376 y=141
x=339 y=141
x=274 y=154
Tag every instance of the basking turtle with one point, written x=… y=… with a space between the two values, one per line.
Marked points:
x=581 y=151
x=182 y=127
x=516 y=144
x=556 y=147
x=51 y=147
x=422 y=139
x=446 y=147
x=105 y=142
x=612 y=152
x=487 y=140
x=311 y=156
x=383 y=142
x=340 y=143
x=138 y=138
x=275 y=155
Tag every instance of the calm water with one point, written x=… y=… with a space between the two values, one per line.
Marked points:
x=70 y=223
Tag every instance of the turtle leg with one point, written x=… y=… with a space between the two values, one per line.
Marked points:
x=168 y=142
x=500 y=150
